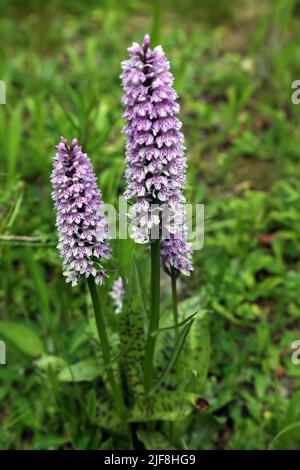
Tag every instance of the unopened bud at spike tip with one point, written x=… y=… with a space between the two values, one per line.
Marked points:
x=146 y=42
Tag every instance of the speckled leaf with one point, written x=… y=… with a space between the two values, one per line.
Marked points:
x=169 y=406
x=154 y=440
x=107 y=416
x=133 y=336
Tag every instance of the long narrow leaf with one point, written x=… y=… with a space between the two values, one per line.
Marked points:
x=176 y=353
x=285 y=430
x=177 y=325
x=13 y=140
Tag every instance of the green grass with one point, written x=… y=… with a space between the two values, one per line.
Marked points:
x=234 y=66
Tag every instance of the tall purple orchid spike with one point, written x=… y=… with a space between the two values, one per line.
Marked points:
x=82 y=228
x=155 y=157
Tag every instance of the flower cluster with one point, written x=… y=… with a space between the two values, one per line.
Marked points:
x=117 y=294
x=155 y=157
x=82 y=229
x=176 y=253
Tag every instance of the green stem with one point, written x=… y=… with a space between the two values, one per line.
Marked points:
x=156 y=23
x=154 y=314
x=174 y=299
x=175 y=306
x=101 y=328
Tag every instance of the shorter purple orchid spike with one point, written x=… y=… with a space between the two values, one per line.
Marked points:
x=82 y=228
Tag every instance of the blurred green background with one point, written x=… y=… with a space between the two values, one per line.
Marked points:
x=234 y=62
